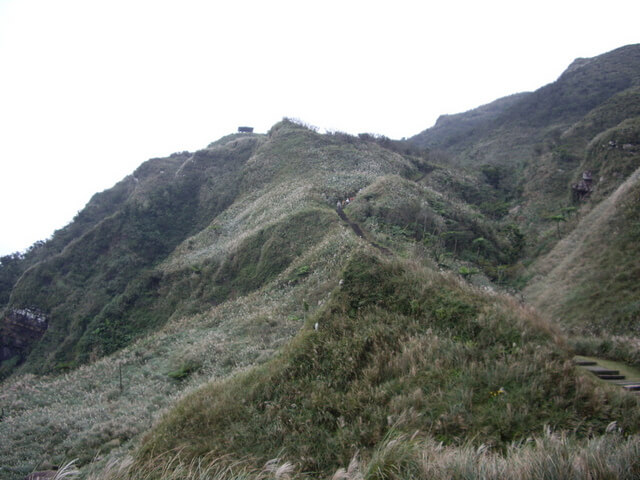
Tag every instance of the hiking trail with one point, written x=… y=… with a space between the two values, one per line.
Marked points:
x=358 y=231
x=610 y=375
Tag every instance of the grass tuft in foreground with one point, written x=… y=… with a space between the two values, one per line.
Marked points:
x=401 y=457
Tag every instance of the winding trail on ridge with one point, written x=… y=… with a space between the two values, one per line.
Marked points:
x=358 y=231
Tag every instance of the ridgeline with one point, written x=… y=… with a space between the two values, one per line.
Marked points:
x=214 y=315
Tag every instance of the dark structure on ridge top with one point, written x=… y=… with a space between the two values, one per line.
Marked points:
x=245 y=129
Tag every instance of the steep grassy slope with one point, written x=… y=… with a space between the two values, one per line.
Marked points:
x=401 y=211
x=541 y=144
x=585 y=85
x=200 y=279
x=590 y=279
x=543 y=137
x=583 y=146
x=400 y=349
x=101 y=205
x=88 y=411
x=453 y=132
x=246 y=201
x=107 y=267
x=232 y=291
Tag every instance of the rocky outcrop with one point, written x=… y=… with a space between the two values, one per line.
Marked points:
x=19 y=329
x=584 y=187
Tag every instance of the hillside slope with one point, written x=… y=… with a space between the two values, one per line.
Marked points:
x=328 y=299
x=104 y=267
x=594 y=288
x=397 y=349
x=243 y=204
x=537 y=147
x=586 y=84
x=543 y=137
x=256 y=245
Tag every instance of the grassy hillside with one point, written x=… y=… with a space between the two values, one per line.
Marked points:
x=453 y=132
x=398 y=349
x=213 y=316
x=541 y=143
x=543 y=137
x=405 y=214
x=589 y=280
x=585 y=85
x=100 y=206
x=107 y=269
x=276 y=244
x=233 y=203
x=89 y=411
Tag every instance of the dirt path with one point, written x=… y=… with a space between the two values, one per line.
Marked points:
x=358 y=231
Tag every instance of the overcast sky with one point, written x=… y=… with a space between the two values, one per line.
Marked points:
x=89 y=89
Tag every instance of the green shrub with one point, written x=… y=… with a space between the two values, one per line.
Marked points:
x=185 y=370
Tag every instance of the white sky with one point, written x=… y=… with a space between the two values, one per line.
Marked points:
x=89 y=89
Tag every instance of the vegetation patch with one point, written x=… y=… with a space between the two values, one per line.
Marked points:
x=404 y=211
x=397 y=348
x=592 y=289
x=550 y=455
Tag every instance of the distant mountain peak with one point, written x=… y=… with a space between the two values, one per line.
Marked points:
x=577 y=64
x=628 y=55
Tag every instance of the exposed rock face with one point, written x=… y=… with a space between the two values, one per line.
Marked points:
x=19 y=329
x=584 y=187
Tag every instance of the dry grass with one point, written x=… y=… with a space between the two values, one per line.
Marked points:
x=401 y=457
x=81 y=413
x=398 y=347
x=587 y=258
x=485 y=367
x=84 y=412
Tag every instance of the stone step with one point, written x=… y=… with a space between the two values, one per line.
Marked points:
x=585 y=363
x=611 y=377
x=603 y=371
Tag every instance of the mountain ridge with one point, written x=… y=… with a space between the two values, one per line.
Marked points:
x=214 y=287
x=552 y=103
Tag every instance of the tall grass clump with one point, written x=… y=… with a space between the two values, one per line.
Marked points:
x=548 y=455
x=170 y=467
